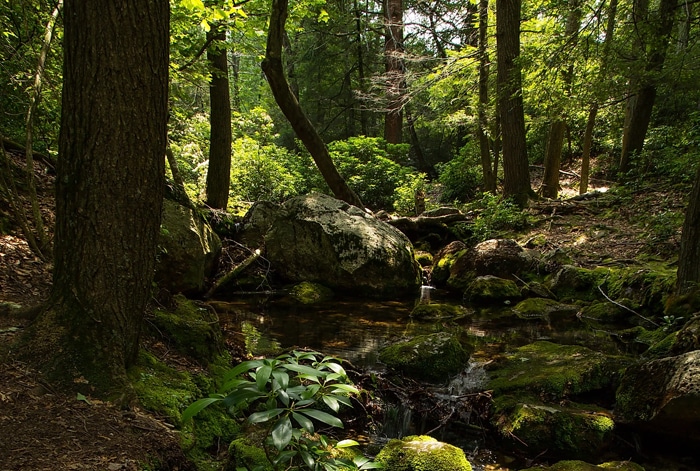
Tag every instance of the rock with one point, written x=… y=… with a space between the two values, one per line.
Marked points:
x=543 y=308
x=537 y=290
x=188 y=250
x=310 y=293
x=553 y=371
x=487 y=289
x=437 y=311
x=321 y=239
x=422 y=453
x=503 y=258
x=565 y=430
x=663 y=396
x=572 y=282
x=443 y=261
x=433 y=357
x=688 y=338
x=606 y=312
x=573 y=465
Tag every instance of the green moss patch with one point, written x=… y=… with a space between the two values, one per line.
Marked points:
x=491 y=289
x=310 y=293
x=422 y=453
x=544 y=308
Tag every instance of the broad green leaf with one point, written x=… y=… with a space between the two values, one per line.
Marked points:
x=194 y=408
x=193 y=5
x=308 y=459
x=262 y=375
x=238 y=397
x=242 y=368
x=264 y=416
x=347 y=388
x=285 y=456
x=337 y=368
x=233 y=384
x=205 y=25
x=346 y=443
x=324 y=417
x=343 y=400
x=283 y=396
x=305 y=403
x=282 y=433
x=304 y=421
x=282 y=378
x=332 y=403
x=311 y=391
x=305 y=370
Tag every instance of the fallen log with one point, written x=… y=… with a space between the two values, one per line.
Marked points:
x=233 y=273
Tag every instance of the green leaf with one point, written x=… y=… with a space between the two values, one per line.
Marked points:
x=262 y=375
x=311 y=391
x=285 y=456
x=346 y=388
x=82 y=397
x=264 y=416
x=284 y=397
x=242 y=368
x=337 y=368
x=282 y=433
x=194 y=408
x=324 y=417
x=282 y=378
x=305 y=422
x=305 y=370
x=238 y=397
x=308 y=459
x=332 y=403
x=346 y=443
x=193 y=5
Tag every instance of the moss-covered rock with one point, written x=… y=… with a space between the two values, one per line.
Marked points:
x=422 y=453
x=554 y=371
x=245 y=455
x=535 y=289
x=424 y=259
x=571 y=283
x=433 y=357
x=606 y=312
x=571 y=430
x=489 y=288
x=543 y=308
x=307 y=292
x=193 y=329
x=443 y=261
x=648 y=288
x=572 y=465
x=437 y=311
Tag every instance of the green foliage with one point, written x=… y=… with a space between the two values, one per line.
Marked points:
x=291 y=395
x=497 y=216
x=460 y=177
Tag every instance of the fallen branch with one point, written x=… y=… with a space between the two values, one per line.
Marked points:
x=233 y=273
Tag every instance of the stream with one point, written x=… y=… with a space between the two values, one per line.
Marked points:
x=356 y=329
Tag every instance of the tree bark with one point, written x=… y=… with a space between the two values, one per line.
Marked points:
x=688 y=276
x=219 y=171
x=484 y=147
x=393 y=53
x=288 y=103
x=108 y=190
x=516 y=183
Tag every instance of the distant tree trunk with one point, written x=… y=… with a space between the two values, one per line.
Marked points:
x=360 y=66
x=689 y=258
x=643 y=86
x=219 y=171
x=516 y=183
x=423 y=165
x=109 y=190
x=555 y=142
x=484 y=147
x=393 y=51
x=288 y=103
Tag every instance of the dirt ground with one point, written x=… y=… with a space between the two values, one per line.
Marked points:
x=45 y=429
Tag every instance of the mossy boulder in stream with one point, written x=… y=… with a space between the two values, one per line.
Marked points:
x=433 y=357
x=422 y=453
x=575 y=283
x=544 y=308
x=573 y=465
x=571 y=430
x=310 y=293
x=489 y=289
x=554 y=371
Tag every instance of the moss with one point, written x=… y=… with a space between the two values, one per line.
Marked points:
x=538 y=308
x=491 y=288
x=606 y=312
x=193 y=330
x=572 y=465
x=555 y=371
x=422 y=453
x=572 y=430
x=572 y=282
x=424 y=259
x=244 y=455
x=649 y=288
x=438 y=311
x=433 y=357
x=310 y=293
x=441 y=270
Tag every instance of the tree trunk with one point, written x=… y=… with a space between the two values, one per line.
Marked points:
x=288 y=103
x=219 y=171
x=109 y=190
x=484 y=148
x=516 y=183
x=393 y=52
x=360 y=67
x=689 y=258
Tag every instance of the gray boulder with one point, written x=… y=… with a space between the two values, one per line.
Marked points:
x=188 y=250
x=321 y=239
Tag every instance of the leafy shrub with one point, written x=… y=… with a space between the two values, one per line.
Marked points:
x=460 y=177
x=291 y=393
x=496 y=217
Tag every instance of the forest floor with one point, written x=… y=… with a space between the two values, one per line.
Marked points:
x=46 y=429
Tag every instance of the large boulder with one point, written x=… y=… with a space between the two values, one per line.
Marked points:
x=422 y=453
x=188 y=250
x=663 y=396
x=321 y=239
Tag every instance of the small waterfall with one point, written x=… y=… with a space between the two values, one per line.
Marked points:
x=472 y=378
x=397 y=422
x=425 y=294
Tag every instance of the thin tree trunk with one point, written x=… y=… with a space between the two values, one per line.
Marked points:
x=393 y=52
x=43 y=239
x=484 y=148
x=219 y=171
x=360 y=67
x=516 y=183
x=688 y=277
x=415 y=143
x=288 y=103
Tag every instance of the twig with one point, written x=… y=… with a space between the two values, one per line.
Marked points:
x=625 y=307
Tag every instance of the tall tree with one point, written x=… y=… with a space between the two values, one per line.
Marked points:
x=288 y=103
x=487 y=164
x=653 y=30
x=219 y=171
x=516 y=174
x=688 y=277
x=109 y=189
x=395 y=75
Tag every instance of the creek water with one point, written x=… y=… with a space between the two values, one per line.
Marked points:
x=356 y=329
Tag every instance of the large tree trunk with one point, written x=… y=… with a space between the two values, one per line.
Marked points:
x=288 y=103
x=396 y=82
x=109 y=190
x=219 y=171
x=510 y=102
x=487 y=166
x=689 y=257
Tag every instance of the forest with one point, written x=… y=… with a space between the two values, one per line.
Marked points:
x=345 y=235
